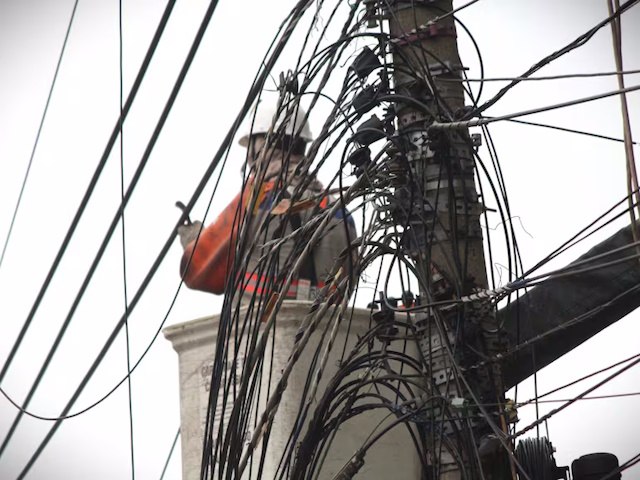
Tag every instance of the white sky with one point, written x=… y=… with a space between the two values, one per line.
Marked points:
x=557 y=182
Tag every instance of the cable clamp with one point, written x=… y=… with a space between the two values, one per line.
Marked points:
x=428 y=30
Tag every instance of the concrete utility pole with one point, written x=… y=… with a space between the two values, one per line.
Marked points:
x=445 y=240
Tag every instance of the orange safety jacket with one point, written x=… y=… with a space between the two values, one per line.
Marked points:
x=206 y=267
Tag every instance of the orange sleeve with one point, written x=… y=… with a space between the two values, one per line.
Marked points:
x=206 y=267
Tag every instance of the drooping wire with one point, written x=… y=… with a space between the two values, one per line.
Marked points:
x=134 y=90
x=176 y=88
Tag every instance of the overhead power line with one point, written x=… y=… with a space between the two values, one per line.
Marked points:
x=116 y=219
x=565 y=129
x=487 y=120
x=173 y=446
x=255 y=90
x=576 y=398
x=35 y=143
x=90 y=188
x=578 y=380
x=124 y=244
x=85 y=200
x=593 y=397
x=578 y=42
x=547 y=77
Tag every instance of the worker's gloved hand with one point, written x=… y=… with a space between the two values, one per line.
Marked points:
x=189 y=232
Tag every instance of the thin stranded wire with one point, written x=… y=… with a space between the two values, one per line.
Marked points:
x=124 y=248
x=173 y=446
x=177 y=85
x=632 y=174
x=578 y=380
x=570 y=103
x=35 y=143
x=547 y=77
x=575 y=399
x=111 y=142
x=569 y=130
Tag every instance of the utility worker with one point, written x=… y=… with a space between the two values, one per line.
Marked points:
x=276 y=149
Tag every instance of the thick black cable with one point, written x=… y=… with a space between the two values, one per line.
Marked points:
x=35 y=143
x=162 y=254
x=223 y=327
x=70 y=232
x=243 y=387
x=116 y=130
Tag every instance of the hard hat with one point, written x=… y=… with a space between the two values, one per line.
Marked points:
x=265 y=119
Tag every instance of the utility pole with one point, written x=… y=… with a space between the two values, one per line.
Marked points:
x=443 y=235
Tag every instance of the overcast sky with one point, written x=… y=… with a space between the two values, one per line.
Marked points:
x=557 y=183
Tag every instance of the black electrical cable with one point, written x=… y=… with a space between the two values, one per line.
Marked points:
x=219 y=351
x=119 y=326
x=276 y=287
x=116 y=220
x=143 y=287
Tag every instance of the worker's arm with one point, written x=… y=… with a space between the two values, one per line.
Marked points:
x=206 y=260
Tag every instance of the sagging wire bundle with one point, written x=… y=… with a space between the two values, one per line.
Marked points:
x=391 y=367
x=385 y=181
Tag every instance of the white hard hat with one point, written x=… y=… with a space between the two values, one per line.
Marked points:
x=265 y=121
